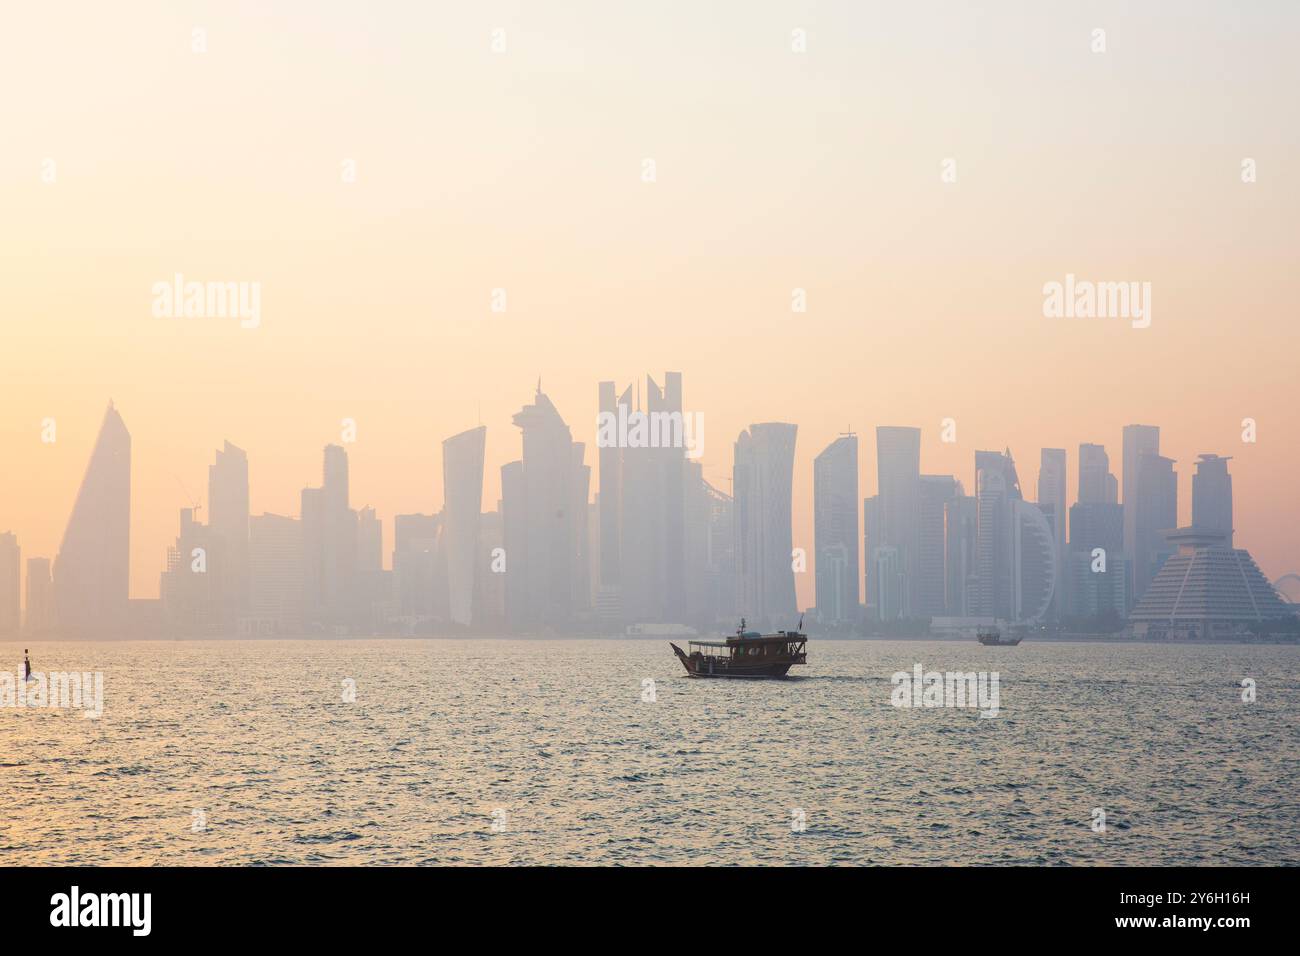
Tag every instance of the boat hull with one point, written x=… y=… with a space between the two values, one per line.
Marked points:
x=721 y=667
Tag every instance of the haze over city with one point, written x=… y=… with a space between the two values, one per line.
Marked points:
x=574 y=434
x=924 y=297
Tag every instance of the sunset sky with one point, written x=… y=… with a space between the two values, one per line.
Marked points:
x=522 y=170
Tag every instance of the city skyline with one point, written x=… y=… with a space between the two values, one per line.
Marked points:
x=534 y=434
x=923 y=297
x=233 y=463
x=398 y=475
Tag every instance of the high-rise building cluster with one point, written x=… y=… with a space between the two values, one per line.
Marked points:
x=936 y=552
x=666 y=550
x=651 y=546
x=933 y=552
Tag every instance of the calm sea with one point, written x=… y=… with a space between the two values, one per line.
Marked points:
x=559 y=752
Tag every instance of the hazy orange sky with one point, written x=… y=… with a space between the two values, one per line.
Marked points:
x=522 y=170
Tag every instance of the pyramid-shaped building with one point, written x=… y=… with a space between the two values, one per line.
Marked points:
x=1206 y=591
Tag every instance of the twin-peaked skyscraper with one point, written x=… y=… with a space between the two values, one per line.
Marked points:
x=665 y=539
x=641 y=507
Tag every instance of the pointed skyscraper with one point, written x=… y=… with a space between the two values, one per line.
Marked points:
x=91 y=574
x=544 y=510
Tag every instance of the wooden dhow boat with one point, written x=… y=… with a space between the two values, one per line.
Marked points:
x=748 y=654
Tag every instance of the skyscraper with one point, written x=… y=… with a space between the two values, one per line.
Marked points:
x=763 y=482
x=610 y=460
x=92 y=570
x=1139 y=440
x=191 y=586
x=329 y=538
x=722 y=554
x=593 y=548
x=997 y=486
x=961 y=521
x=1051 y=502
x=312 y=537
x=544 y=508
x=1096 y=484
x=889 y=582
x=870 y=541
x=462 y=483
x=370 y=541
x=376 y=599
x=514 y=536
x=898 y=471
x=1015 y=554
x=643 y=580
x=1097 y=525
x=415 y=550
x=835 y=530
x=1212 y=496
x=1036 y=564
x=1097 y=567
x=701 y=585
x=275 y=556
x=643 y=519
x=934 y=494
x=670 y=464
x=10 y=583
x=490 y=610
x=228 y=521
x=1155 y=512
x=40 y=597
x=579 y=538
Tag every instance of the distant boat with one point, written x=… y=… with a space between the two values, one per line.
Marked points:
x=747 y=655
x=992 y=637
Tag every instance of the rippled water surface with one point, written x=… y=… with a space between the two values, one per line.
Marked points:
x=527 y=752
